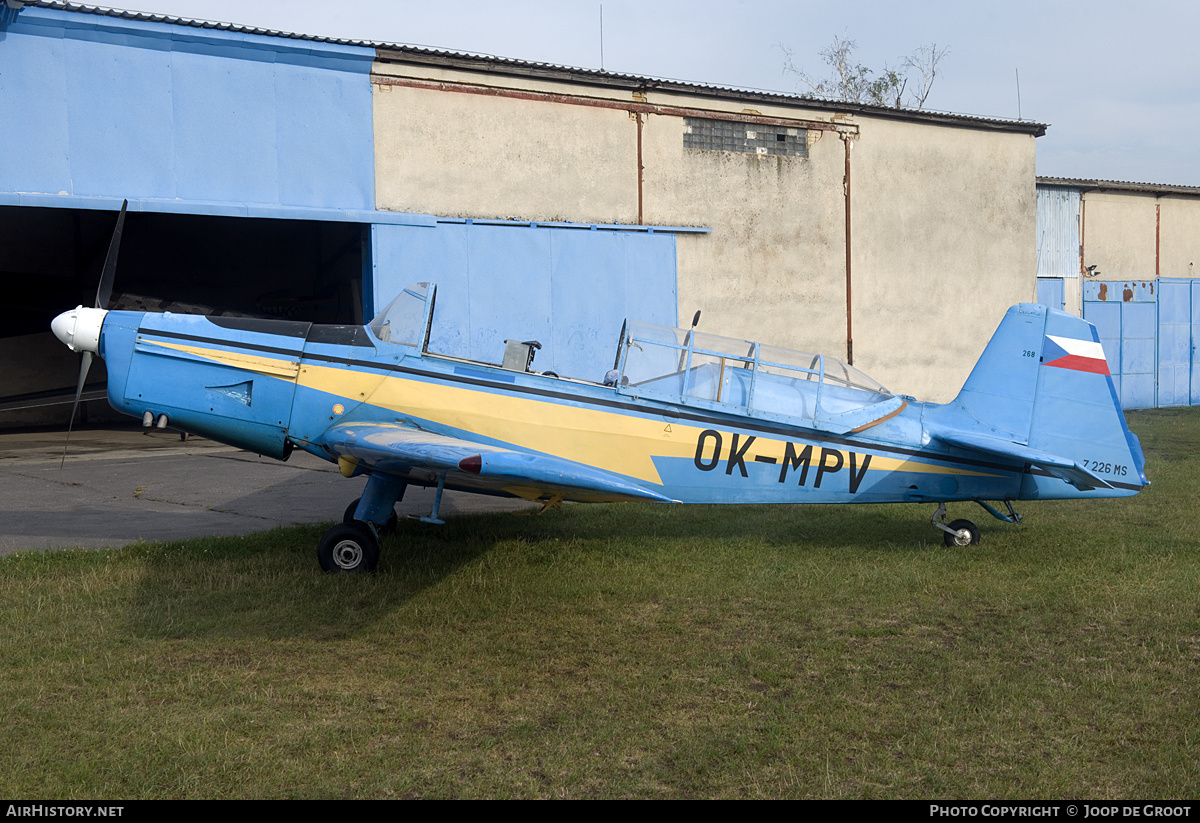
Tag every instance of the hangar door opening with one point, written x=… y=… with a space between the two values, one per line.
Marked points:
x=51 y=259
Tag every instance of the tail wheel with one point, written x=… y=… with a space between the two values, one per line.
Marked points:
x=348 y=547
x=965 y=533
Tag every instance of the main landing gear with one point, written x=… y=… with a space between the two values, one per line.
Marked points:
x=352 y=546
x=964 y=532
x=388 y=528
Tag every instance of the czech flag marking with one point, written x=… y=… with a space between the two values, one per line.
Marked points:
x=1077 y=355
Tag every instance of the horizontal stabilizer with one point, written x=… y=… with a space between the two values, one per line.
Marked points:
x=1061 y=467
x=401 y=449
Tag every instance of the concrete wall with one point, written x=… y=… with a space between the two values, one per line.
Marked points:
x=944 y=223
x=773 y=268
x=1119 y=234
x=1140 y=235
x=473 y=155
x=943 y=217
x=1179 y=254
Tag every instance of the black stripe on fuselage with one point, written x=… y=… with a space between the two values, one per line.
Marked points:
x=714 y=419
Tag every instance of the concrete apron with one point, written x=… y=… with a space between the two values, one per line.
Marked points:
x=120 y=485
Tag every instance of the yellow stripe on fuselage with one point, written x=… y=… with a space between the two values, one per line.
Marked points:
x=270 y=366
x=623 y=443
x=611 y=440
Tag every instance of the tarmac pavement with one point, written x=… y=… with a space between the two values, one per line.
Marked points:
x=120 y=485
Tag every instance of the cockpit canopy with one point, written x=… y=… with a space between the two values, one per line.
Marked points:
x=703 y=370
x=405 y=321
x=744 y=377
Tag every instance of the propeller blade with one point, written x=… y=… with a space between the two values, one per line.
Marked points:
x=104 y=291
x=84 y=365
x=103 y=295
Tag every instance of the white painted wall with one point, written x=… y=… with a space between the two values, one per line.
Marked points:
x=943 y=217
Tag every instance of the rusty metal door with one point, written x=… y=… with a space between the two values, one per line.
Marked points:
x=1126 y=316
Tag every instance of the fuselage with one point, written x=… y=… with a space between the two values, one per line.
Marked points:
x=268 y=386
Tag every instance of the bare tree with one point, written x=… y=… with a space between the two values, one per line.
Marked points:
x=849 y=81
x=855 y=83
x=924 y=61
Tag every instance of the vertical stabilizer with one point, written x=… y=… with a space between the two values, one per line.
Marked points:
x=1043 y=384
x=1002 y=388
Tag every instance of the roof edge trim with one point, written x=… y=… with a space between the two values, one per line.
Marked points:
x=1086 y=184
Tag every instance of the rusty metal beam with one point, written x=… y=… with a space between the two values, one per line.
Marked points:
x=847 y=141
x=605 y=103
x=1082 y=235
x=640 y=169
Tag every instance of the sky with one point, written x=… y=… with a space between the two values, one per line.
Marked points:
x=1117 y=84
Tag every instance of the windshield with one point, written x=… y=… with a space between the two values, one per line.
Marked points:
x=405 y=321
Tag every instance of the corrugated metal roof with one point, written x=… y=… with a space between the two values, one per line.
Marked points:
x=505 y=65
x=148 y=17
x=1118 y=185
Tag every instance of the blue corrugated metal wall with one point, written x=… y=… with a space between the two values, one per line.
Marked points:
x=1195 y=371
x=181 y=119
x=569 y=288
x=1174 y=342
x=1178 y=337
x=95 y=105
x=1126 y=316
x=1151 y=333
x=1058 y=231
x=1050 y=292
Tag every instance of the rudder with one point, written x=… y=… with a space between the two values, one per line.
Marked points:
x=1078 y=413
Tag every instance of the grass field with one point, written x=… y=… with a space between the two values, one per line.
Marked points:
x=628 y=651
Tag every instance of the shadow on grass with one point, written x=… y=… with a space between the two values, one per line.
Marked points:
x=269 y=585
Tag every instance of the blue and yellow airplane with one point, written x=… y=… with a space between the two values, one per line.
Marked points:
x=682 y=417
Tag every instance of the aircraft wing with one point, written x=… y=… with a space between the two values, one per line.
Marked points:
x=401 y=450
x=1061 y=467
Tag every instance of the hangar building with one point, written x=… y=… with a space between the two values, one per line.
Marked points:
x=276 y=174
x=1124 y=256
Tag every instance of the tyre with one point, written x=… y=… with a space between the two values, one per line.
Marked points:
x=349 y=548
x=966 y=533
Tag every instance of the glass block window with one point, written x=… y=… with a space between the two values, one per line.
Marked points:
x=751 y=138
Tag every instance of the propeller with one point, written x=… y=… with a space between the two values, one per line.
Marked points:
x=80 y=328
x=104 y=290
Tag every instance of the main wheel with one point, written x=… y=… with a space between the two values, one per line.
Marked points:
x=389 y=528
x=348 y=547
x=966 y=533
